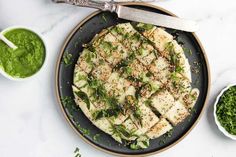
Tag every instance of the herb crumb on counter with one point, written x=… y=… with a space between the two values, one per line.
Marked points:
x=76 y=152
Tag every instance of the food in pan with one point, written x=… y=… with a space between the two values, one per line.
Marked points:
x=134 y=83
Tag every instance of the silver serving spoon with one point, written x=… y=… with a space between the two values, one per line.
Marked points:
x=8 y=42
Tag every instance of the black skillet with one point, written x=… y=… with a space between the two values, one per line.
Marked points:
x=83 y=33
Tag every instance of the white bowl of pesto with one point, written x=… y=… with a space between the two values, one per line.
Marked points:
x=29 y=57
x=225 y=111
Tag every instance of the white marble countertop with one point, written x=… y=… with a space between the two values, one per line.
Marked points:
x=31 y=123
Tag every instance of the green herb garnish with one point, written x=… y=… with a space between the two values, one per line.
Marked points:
x=123 y=65
x=89 y=56
x=84 y=97
x=81 y=77
x=100 y=93
x=76 y=152
x=141 y=143
x=108 y=47
x=106 y=113
x=69 y=105
x=67 y=59
x=169 y=133
x=138 y=115
x=144 y=27
x=128 y=70
x=148 y=102
x=136 y=37
x=83 y=130
x=187 y=50
x=138 y=81
x=166 y=137
x=122 y=131
x=67 y=101
x=99 y=90
x=148 y=26
x=138 y=91
x=226 y=110
x=174 y=58
x=117 y=30
x=132 y=104
x=96 y=137
x=149 y=74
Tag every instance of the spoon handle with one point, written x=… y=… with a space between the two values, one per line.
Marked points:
x=105 y=6
x=9 y=43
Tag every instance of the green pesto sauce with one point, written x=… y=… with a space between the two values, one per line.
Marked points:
x=27 y=59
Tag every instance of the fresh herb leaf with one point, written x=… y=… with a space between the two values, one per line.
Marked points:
x=81 y=77
x=89 y=56
x=144 y=27
x=113 y=102
x=90 y=47
x=149 y=74
x=174 y=57
x=106 y=113
x=123 y=64
x=148 y=26
x=128 y=70
x=67 y=59
x=132 y=104
x=138 y=92
x=141 y=143
x=100 y=93
x=134 y=146
x=136 y=37
x=187 y=50
x=83 y=130
x=169 y=133
x=107 y=47
x=84 y=97
x=76 y=152
x=117 y=30
x=96 y=137
x=138 y=114
x=68 y=102
x=174 y=77
x=121 y=131
x=179 y=69
x=136 y=80
x=166 y=136
x=148 y=102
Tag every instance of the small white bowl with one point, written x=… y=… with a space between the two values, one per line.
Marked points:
x=222 y=129
x=26 y=78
